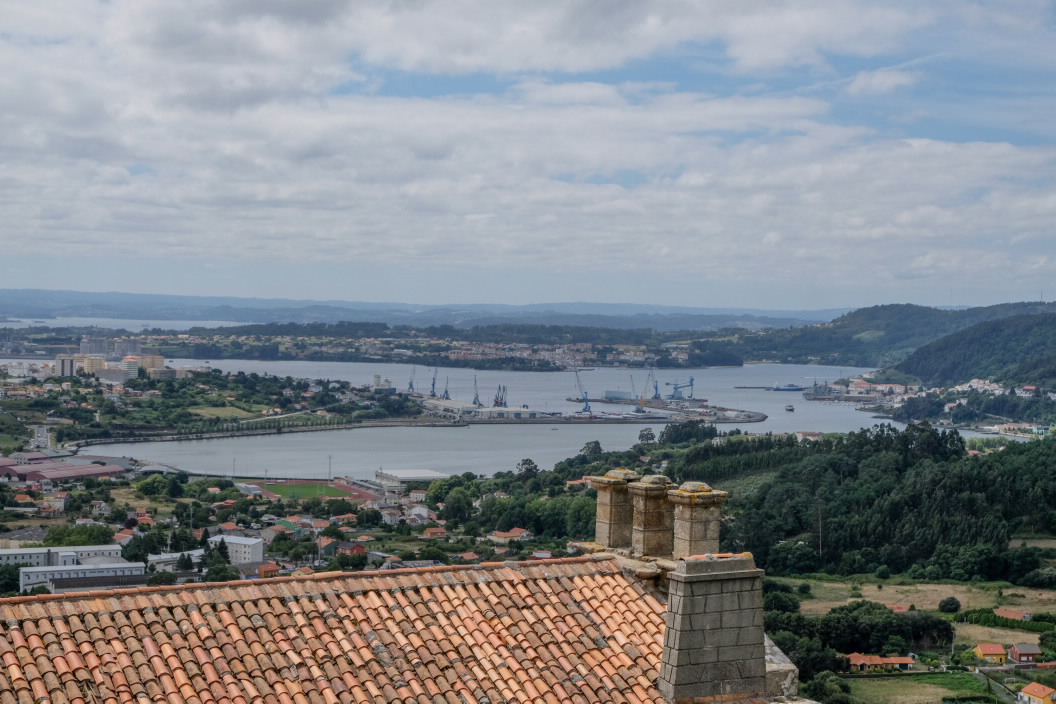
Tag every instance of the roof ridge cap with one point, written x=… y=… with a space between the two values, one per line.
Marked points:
x=519 y=565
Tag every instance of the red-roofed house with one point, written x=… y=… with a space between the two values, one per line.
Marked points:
x=865 y=663
x=434 y=533
x=1035 y=693
x=1014 y=614
x=500 y=537
x=991 y=653
x=875 y=663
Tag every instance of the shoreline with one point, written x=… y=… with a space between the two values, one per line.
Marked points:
x=77 y=445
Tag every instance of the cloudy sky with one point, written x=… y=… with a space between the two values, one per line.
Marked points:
x=777 y=155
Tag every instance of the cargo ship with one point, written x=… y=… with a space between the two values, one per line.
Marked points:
x=788 y=387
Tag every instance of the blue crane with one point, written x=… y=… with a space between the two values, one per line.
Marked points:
x=410 y=384
x=476 y=394
x=500 y=397
x=446 y=396
x=583 y=394
x=676 y=389
x=432 y=389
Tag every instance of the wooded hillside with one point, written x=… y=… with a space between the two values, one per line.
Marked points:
x=1017 y=350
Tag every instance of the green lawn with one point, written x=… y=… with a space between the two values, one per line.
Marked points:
x=915 y=689
x=302 y=491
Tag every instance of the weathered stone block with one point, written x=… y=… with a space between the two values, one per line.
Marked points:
x=749 y=636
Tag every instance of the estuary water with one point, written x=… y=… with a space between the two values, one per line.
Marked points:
x=485 y=449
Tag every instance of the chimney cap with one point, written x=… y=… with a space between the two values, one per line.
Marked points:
x=621 y=473
x=695 y=486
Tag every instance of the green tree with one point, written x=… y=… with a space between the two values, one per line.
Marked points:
x=222 y=573
x=646 y=436
x=458 y=505
x=527 y=469
x=592 y=450
x=950 y=605
x=161 y=578
x=332 y=532
x=222 y=551
x=781 y=601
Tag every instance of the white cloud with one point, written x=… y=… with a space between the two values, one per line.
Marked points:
x=238 y=129
x=881 y=82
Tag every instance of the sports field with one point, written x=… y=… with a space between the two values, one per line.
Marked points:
x=303 y=490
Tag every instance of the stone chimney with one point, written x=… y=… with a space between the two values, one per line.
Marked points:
x=653 y=528
x=713 y=642
x=698 y=508
x=615 y=514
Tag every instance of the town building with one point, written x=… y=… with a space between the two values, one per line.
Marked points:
x=1036 y=693
x=58 y=556
x=498 y=632
x=1023 y=653
x=990 y=652
x=240 y=549
x=396 y=480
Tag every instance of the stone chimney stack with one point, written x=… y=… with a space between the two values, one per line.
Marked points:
x=697 y=516
x=615 y=514
x=713 y=642
x=654 y=516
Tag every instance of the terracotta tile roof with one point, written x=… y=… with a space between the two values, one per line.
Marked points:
x=990 y=649
x=567 y=630
x=1038 y=690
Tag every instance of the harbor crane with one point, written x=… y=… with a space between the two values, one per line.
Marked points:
x=445 y=396
x=676 y=389
x=476 y=394
x=500 y=397
x=583 y=394
x=637 y=401
x=410 y=384
x=432 y=389
x=656 y=387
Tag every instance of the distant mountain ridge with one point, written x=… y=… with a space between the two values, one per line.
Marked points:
x=31 y=303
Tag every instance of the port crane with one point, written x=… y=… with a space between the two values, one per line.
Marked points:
x=476 y=394
x=656 y=387
x=445 y=396
x=432 y=389
x=410 y=384
x=676 y=389
x=583 y=394
x=637 y=401
x=500 y=397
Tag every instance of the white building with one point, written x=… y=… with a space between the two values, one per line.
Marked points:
x=29 y=577
x=58 y=557
x=239 y=549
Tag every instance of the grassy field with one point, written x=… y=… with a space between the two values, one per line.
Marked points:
x=926 y=597
x=971 y=634
x=291 y=490
x=915 y=689
x=221 y=412
x=1033 y=542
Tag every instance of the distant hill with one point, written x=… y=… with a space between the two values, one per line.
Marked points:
x=43 y=304
x=1015 y=350
x=875 y=336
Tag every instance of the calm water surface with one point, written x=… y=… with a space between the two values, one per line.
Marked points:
x=488 y=449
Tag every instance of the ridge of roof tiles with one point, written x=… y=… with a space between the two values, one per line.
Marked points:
x=570 y=630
